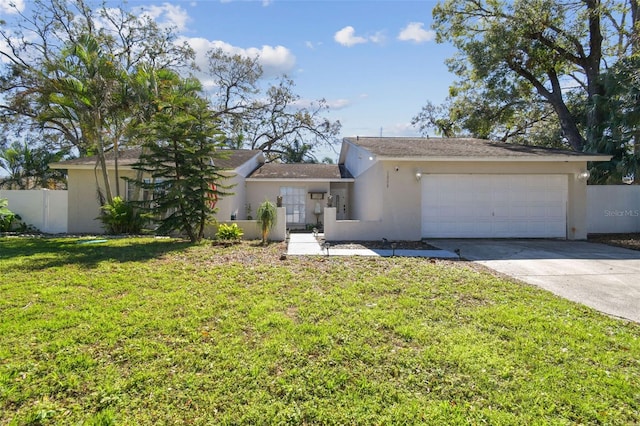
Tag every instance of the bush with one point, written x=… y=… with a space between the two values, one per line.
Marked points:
x=121 y=217
x=229 y=232
x=6 y=216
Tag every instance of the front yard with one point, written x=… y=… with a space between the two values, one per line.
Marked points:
x=144 y=331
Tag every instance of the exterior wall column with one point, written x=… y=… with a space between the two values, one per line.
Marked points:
x=329 y=223
x=576 y=208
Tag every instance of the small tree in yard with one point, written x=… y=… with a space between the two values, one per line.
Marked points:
x=181 y=142
x=267 y=216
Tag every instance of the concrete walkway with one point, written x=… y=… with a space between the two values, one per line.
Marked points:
x=308 y=245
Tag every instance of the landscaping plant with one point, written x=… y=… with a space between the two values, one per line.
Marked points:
x=230 y=232
x=267 y=217
x=6 y=216
x=120 y=217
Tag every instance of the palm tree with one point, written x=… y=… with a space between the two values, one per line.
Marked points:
x=12 y=160
x=267 y=216
x=86 y=95
x=29 y=168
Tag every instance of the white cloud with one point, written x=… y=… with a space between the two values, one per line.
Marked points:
x=347 y=37
x=378 y=37
x=416 y=33
x=265 y=3
x=334 y=105
x=167 y=15
x=338 y=104
x=311 y=45
x=11 y=6
x=399 y=129
x=275 y=60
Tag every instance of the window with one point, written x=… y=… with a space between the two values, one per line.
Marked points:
x=293 y=199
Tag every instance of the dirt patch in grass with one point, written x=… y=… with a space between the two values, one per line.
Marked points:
x=629 y=241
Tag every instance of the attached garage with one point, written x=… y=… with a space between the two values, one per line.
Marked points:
x=413 y=188
x=494 y=206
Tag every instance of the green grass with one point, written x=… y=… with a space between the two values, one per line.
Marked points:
x=144 y=331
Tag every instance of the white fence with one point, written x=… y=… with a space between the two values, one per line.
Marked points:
x=44 y=209
x=613 y=209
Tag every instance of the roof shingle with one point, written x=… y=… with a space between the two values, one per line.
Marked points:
x=301 y=171
x=128 y=157
x=456 y=147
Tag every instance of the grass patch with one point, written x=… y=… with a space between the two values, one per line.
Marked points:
x=144 y=331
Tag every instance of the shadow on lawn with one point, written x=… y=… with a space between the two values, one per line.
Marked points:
x=42 y=253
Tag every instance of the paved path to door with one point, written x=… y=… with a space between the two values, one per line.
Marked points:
x=304 y=244
x=600 y=276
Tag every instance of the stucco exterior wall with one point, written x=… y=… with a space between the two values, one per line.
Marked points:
x=258 y=191
x=234 y=202
x=368 y=196
x=387 y=197
x=84 y=207
x=252 y=229
x=357 y=159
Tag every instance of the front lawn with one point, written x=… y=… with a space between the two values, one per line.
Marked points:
x=144 y=331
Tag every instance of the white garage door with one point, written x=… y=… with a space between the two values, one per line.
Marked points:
x=494 y=206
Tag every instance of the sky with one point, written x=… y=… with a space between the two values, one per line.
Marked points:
x=375 y=62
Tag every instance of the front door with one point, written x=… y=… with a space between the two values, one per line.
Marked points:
x=340 y=202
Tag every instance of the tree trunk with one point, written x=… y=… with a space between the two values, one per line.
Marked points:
x=103 y=165
x=635 y=50
x=115 y=163
x=595 y=115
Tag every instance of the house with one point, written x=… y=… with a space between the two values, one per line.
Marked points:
x=394 y=188
x=83 y=176
x=304 y=188
x=413 y=188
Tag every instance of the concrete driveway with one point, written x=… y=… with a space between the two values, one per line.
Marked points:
x=603 y=277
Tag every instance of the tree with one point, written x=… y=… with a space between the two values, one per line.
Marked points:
x=620 y=138
x=181 y=143
x=270 y=119
x=552 y=49
x=65 y=71
x=503 y=114
x=436 y=118
x=86 y=93
x=28 y=168
x=267 y=216
x=298 y=153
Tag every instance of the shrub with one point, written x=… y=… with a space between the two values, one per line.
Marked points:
x=6 y=216
x=121 y=217
x=229 y=232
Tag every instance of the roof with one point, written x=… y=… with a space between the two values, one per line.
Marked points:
x=301 y=171
x=127 y=157
x=468 y=149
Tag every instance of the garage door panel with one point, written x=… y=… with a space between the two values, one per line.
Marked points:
x=501 y=206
